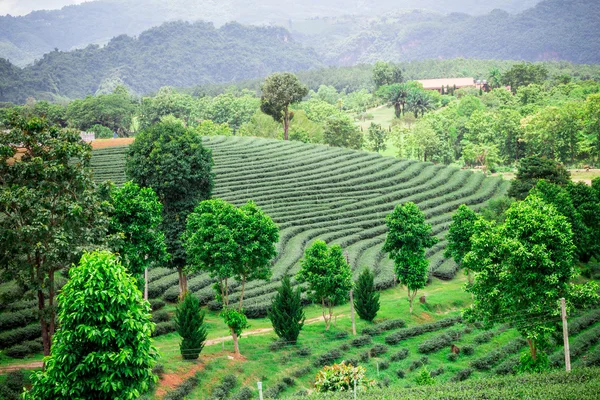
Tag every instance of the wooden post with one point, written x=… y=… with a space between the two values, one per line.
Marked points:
x=563 y=314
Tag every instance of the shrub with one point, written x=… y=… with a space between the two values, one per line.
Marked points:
x=277 y=344
x=17 y=351
x=286 y=313
x=244 y=394
x=384 y=383
x=378 y=349
x=162 y=328
x=327 y=358
x=160 y=316
x=189 y=320
x=351 y=361
x=227 y=384
x=365 y=356
x=417 y=330
x=341 y=335
x=415 y=364
x=492 y=357
x=171 y=294
x=400 y=374
x=12 y=387
x=18 y=335
x=383 y=365
x=437 y=372
x=467 y=350
x=11 y=320
x=304 y=351
x=484 y=337
x=339 y=377
x=361 y=341
x=452 y=357
x=157 y=304
x=436 y=343
x=424 y=378
x=182 y=390
x=462 y=375
x=384 y=326
x=289 y=381
x=399 y=355
x=344 y=347
x=508 y=366
x=158 y=369
x=302 y=371
x=366 y=297
x=275 y=390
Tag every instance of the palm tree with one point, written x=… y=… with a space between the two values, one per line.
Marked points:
x=419 y=102
x=396 y=95
x=495 y=78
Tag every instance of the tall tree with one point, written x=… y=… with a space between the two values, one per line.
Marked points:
x=531 y=170
x=419 y=102
x=459 y=235
x=366 y=297
x=524 y=74
x=386 y=74
x=586 y=201
x=50 y=208
x=286 y=312
x=340 y=131
x=102 y=349
x=376 y=138
x=522 y=268
x=396 y=95
x=170 y=159
x=134 y=223
x=408 y=237
x=328 y=276
x=189 y=319
x=231 y=243
x=279 y=91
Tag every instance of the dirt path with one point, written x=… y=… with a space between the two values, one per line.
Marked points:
x=29 y=365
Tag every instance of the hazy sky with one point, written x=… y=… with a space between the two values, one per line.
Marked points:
x=22 y=7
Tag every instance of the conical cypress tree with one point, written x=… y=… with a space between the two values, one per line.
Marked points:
x=366 y=297
x=190 y=326
x=286 y=312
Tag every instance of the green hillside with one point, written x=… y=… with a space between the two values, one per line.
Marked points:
x=319 y=192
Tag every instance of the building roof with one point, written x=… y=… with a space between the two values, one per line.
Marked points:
x=450 y=82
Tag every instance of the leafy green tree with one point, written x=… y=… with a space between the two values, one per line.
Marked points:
x=366 y=297
x=386 y=74
x=419 y=102
x=495 y=78
x=103 y=348
x=408 y=237
x=459 y=235
x=592 y=122
x=237 y=322
x=134 y=223
x=340 y=131
x=531 y=170
x=522 y=268
x=171 y=160
x=209 y=128
x=114 y=111
x=231 y=243
x=51 y=209
x=524 y=74
x=376 y=138
x=189 y=319
x=396 y=95
x=481 y=154
x=166 y=102
x=587 y=203
x=286 y=312
x=279 y=91
x=495 y=209
x=328 y=276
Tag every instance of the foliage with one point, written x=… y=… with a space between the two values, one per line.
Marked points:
x=376 y=138
x=286 y=312
x=51 y=210
x=113 y=111
x=135 y=221
x=406 y=241
x=235 y=320
x=102 y=349
x=341 y=377
x=366 y=297
x=279 y=91
x=172 y=161
x=424 y=378
x=386 y=74
x=532 y=169
x=328 y=276
x=189 y=319
x=340 y=131
x=529 y=365
x=460 y=232
x=524 y=74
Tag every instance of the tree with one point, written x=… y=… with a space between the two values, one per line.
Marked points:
x=459 y=235
x=189 y=319
x=419 y=102
x=50 y=209
x=278 y=92
x=231 y=243
x=396 y=95
x=166 y=102
x=531 y=169
x=376 y=138
x=495 y=78
x=406 y=241
x=592 y=122
x=114 y=111
x=286 y=312
x=366 y=297
x=522 y=268
x=524 y=74
x=170 y=159
x=103 y=348
x=328 y=276
x=340 y=131
x=134 y=223
x=587 y=203
x=386 y=74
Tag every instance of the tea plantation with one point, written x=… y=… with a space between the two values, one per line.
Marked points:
x=319 y=192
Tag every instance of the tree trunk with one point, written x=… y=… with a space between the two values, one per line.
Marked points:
x=146 y=284
x=532 y=349
x=236 y=346
x=43 y=322
x=242 y=294
x=411 y=296
x=182 y=283
x=286 y=123
x=352 y=312
x=397 y=109
x=324 y=315
x=52 y=311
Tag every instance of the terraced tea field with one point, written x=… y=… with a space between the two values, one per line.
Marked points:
x=320 y=192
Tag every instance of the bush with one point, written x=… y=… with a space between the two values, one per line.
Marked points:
x=378 y=349
x=508 y=366
x=400 y=374
x=274 y=391
x=10 y=292
x=182 y=390
x=304 y=352
x=277 y=344
x=160 y=316
x=171 y=294
x=162 y=328
x=18 y=335
x=424 y=378
x=361 y=341
x=101 y=131
x=17 y=351
x=400 y=355
x=384 y=383
x=289 y=381
x=365 y=356
x=189 y=320
x=467 y=350
x=383 y=365
x=17 y=319
x=452 y=357
x=436 y=343
x=227 y=384
x=384 y=326
x=344 y=347
x=302 y=371
x=406 y=333
x=157 y=304
x=327 y=358
x=244 y=394
x=12 y=387
x=492 y=357
x=462 y=375
x=339 y=377
x=483 y=337
x=341 y=335
x=158 y=369
x=351 y=361
x=437 y=372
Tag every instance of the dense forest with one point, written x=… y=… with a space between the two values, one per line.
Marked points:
x=174 y=54
x=24 y=39
x=552 y=30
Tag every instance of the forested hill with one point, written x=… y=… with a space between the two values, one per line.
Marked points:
x=552 y=30
x=24 y=39
x=174 y=54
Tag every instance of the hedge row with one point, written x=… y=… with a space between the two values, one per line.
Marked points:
x=383 y=327
x=19 y=335
x=492 y=357
x=406 y=333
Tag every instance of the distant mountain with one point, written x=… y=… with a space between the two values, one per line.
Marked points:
x=174 y=54
x=24 y=39
x=552 y=30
